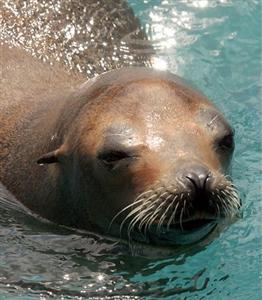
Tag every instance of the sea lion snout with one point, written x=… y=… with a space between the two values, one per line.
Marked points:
x=201 y=187
x=196 y=177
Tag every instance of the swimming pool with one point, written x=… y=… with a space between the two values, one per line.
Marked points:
x=216 y=45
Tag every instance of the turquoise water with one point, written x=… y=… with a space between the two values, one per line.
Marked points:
x=217 y=46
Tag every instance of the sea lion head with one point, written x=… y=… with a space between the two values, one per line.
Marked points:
x=146 y=157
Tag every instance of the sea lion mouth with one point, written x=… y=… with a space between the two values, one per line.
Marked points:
x=191 y=225
x=182 y=233
x=188 y=232
x=164 y=215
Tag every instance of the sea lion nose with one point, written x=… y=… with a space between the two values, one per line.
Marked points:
x=197 y=176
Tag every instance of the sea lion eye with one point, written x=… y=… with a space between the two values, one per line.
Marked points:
x=227 y=142
x=111 y=157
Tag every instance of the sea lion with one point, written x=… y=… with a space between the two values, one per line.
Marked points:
x=134 y=152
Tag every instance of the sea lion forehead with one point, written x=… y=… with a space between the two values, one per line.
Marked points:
x=121 y=133
x=132 y=90
x=126 y=77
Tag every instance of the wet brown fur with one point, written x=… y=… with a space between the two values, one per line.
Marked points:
x=73 y=120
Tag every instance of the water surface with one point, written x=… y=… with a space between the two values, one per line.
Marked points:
x=216 y=45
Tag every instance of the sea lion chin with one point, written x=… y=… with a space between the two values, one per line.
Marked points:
x=135 y=153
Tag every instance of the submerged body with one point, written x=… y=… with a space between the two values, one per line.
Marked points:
x=133 y=152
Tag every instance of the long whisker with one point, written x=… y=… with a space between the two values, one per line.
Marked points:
x=232 y=194
x=150 y=219
x=222 y=201
x=181 y=217
x=147 y=216
x=138 y=217
x=133 y=212
x=173 y=214
x=138 y=209
x=123 y=210
x=161 y=221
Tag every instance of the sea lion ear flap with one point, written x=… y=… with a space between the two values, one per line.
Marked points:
x=49 y=158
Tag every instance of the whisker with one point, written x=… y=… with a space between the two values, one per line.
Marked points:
x=223 y=202
x=181 y=217
x=123 y=210
x=138 y=217
x=148 y=216
x=149 y=221
x=134 y=211
x=173 y=214
x=232 y=209
x=164 y=215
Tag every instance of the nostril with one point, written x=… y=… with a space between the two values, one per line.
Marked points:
x=194 y=180
x=199 y=182
x=198 y=177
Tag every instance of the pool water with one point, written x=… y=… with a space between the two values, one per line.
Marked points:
x=216 y=44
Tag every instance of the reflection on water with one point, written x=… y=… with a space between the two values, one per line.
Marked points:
x=215 y=44
x=87 y=37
